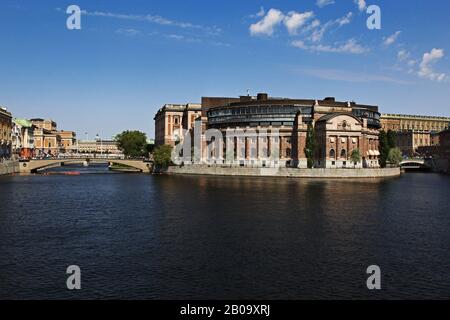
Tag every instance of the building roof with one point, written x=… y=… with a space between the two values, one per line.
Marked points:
x=330 y=116
x=5 y=111
x=23 y=122
x=413 y=117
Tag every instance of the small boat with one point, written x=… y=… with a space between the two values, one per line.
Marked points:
x=72 y=173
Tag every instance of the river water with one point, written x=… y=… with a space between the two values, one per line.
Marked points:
x=138 y=236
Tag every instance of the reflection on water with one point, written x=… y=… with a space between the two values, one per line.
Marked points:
x=163 y=237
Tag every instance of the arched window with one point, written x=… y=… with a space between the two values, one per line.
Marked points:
x=343 y=153
x=332 y=154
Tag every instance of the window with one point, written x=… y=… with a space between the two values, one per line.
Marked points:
x=343 y=153
x=288 y=152
x=332 y=154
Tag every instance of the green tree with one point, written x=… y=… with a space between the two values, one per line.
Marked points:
x=384 y=148
x=391 y=139
x=355 y=156
x=310 y=145
x=162 y=156
x=132 y=143
x=395 y=156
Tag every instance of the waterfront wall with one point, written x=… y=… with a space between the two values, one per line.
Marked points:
x=9 y=167
x=285 y=172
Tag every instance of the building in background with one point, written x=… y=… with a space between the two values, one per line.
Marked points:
x=5 y=133
x=68 y=140
x=171 y=119
x=414 y=132
x=51 y=142
x=340 y=128
x=98 y=147
x=23 y=138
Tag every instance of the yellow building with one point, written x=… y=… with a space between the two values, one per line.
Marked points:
x=414 y=131
x=5 y=133
x=67 y=141
x=402 y=122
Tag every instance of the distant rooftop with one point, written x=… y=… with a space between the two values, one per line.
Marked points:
x=407 y=116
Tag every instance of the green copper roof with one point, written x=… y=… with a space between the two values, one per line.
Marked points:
x=23 y=122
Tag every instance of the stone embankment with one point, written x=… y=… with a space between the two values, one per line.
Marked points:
x=285 y=172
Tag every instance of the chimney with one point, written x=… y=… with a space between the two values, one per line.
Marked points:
x=262 y=96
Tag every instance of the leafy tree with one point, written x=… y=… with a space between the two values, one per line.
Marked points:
x=355 y=156
x=132 y=143
x=384 y=148
x=162 y=156
x=391 y=139
x=310 y=145
x=395 y=156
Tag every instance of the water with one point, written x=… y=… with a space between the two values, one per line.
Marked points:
x=159 y=237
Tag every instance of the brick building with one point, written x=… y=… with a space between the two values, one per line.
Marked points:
x=340 y=128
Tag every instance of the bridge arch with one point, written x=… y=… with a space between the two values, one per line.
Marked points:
x=33 y=166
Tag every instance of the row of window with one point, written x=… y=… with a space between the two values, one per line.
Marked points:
x=273 y=109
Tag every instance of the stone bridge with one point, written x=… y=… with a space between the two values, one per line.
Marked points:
x=33 y=166
x=415 y=163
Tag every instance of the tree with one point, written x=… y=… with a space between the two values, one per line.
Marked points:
x=310 y=145
x=384 y=148
x=395 y=156
x=355 y=156
x=132 y=143
x=162 y=156
x=391 y=139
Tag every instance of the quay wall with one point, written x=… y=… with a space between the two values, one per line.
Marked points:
x=9 y=167
x=285 y=172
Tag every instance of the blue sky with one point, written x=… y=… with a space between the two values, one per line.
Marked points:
x=131 y=57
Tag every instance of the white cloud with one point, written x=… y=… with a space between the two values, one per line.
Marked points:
x=323 y=3
x=426 y=66
x=402 y=55
x=361 y=4
x=345 y=19
x=294 y=20
x=266 y=26
x=412 y=63
x=128 y=32
x=350 y=46
x=392 y=38
x=154 y=19
x=259 y=14
x=319 y=30
x=348 y=76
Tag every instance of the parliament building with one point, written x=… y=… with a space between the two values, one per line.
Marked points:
x=339 y=128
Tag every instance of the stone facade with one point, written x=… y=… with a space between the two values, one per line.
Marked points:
x=171 y=119
x=5 y=133
x=107 y=147
x=49 y=141
x=402 y=122
x=286 y=172
x=414 y=132
x=275 y=131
